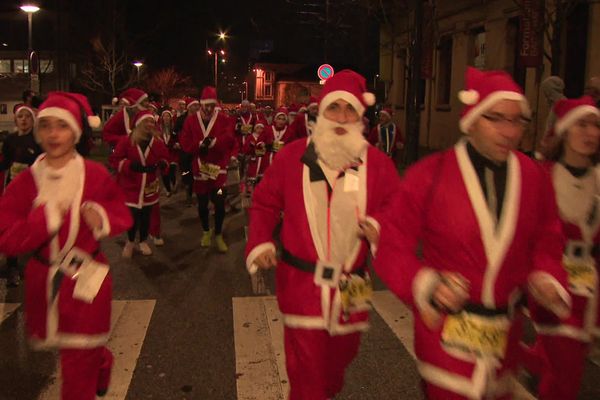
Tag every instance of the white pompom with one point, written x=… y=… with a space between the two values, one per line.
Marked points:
x=115 y=100
x=468 y=97
x=94 y=121
x=369 y=98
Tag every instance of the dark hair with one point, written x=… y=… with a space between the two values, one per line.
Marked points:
x=84 y=145
x=553 y=148
x=26 y=94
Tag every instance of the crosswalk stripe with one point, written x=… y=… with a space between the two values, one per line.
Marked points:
x=399 y=318
x=129 y=323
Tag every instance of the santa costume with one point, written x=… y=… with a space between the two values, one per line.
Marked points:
x=256 y=151
x=445 y=206
x=388 y=138
x=211 y=143
x=278 y=136
x=561 y=346
x=303 y=124
x=68 y=283
x=119 y=125
x=169 y=138
x=139 y=165
x=322 y=207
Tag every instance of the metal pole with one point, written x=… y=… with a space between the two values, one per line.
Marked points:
x=413 y=108
x=216 y=66
x=30 y=24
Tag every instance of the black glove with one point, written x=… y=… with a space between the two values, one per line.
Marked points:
x=136 y=166
x=150 y=168
x=270 y=147
x=162 y=164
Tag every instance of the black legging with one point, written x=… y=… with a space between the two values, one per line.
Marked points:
x=141 y=222
x=218 y=199
x=170 y=178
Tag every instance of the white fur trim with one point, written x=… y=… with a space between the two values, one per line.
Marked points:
x=314 y=103
x=191 y=104
x=304 y=321
x=63 y=114
x=23 y=107
x=125 y=101
x=255 y=252
x=369 y=98
x=94 y=121
x=423 y=285
x=484 y=105
x=143 y=117
x=572 y=116
x=120 y=166
x=115 y=101
x=377 y=227
x=279 y=113
x=543 y=276
x=341 y=95
x=54 y=218
x=105 y=229
x=565 y=331
x=142 y=98
x=208 y=101
x=468 y=97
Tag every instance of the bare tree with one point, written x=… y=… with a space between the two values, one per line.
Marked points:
x=167 y=83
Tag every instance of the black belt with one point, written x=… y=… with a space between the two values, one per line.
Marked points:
x=479 y=309
x=308 y=266
x=45 y=261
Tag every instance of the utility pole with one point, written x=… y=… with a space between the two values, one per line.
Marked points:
x=413 y=108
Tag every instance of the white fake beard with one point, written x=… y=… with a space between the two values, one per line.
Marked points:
x=338 y=151
x=59 y=187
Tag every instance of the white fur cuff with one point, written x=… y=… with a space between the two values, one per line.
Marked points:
x=54 y=218
x=256 y=251
x=377 y=227
x=541 y=277
x=423 y=286
x=105 y=229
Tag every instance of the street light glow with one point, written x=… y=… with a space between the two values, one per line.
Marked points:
x=138 y=64
x=223 y=60
x=222 y=52
x=222 y=35
x=30 y=8
x=210 y=52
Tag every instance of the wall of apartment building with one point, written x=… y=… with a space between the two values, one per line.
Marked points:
x=460 y=22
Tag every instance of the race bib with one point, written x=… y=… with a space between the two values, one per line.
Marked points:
x=582 y=275
x=212 y=171
x=356 y=293
x=151 y=188
x=246 y=129
x=260 y=151
x=481 y=336
x=277 y=145
x=16 y=168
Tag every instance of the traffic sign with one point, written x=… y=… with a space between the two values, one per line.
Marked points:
x=325 y=72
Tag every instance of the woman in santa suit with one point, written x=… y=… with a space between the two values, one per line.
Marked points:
x=279 y=133
x=169 y=138
x=139 y=160
x=58 y=210
x=255 y=149
x=572 y=153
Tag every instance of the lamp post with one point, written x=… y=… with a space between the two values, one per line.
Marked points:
x=34 y=81
x=138 y=65
x=215 y=54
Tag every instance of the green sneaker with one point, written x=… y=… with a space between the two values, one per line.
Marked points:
x=221 y=245
x=206 y=239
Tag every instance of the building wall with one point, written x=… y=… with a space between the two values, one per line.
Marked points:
x=459 y=19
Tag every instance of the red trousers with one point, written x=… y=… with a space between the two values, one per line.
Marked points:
x=155 y=221
x=316 y=362
x=84 y=372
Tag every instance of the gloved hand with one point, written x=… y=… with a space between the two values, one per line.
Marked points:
x=136 y=166
x=150 y=168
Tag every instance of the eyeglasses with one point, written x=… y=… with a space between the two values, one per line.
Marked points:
x=502 y=121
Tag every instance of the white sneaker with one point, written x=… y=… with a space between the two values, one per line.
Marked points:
x=145 y=249
x=159 y=241
x=128 y=250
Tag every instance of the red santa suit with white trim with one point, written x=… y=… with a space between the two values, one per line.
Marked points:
x=256 y=150
x=322 y=203
x=303 y=124
x=442 y=205
x=68 y=283
x=387 y=136
x=119 y=125
x=279 y=134
x=561 y=346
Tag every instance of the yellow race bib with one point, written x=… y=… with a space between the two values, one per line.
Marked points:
x=212 y=171
x=356 y=293
x=277 y=145
x=246 y=129
x=151 y=188
x=582 y=275
x=476 y=334
x=260 y=151
x=16 y=168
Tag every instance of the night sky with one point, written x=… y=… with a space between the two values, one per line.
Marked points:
x=177 y=33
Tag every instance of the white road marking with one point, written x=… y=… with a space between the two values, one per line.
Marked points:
x=129 y=323
x=258 y=349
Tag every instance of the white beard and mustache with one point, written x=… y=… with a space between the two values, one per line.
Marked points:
x=338 y=151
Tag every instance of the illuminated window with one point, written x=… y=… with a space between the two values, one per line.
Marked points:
x=5 y=67
x=46 y=66
x=21 y=66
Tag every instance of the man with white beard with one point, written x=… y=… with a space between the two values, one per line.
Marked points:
x=332 y=189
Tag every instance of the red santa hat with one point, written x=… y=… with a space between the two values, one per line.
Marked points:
x=349 y=86
x=293 y=108
x=313 y=101
x=209 y=95
x=166 y=111
x=190 y=101
x=133 y=97
x=142 y=115
x=569 y=111
x=281 y=110
x=73 y=108
x=260 y=122
x=483 y=90
x=18 y=107
x=387 y=111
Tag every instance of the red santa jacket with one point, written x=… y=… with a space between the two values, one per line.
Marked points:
x=301 y=127
x=116 y=127
x=580 y=215
x=53 y=317
x=278 y=138
x=288 y=187
x=386 y=141
x=258 y=155
x=216 y=159
x=141 y=188
x=171 y=142
x=442 y=206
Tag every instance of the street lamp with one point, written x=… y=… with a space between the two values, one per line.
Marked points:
x=222 y=35
x=215 y=54
x=31 y=8
x=138 y=65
